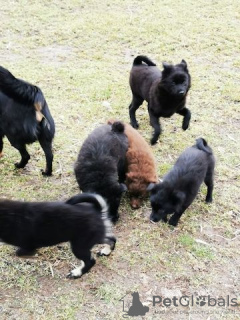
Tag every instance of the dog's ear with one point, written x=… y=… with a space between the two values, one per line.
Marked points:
x=167 y=66
x=184 y=64
x=123 y=187
x=178 y=197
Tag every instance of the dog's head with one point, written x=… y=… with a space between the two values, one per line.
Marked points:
x=164 y=200
x=176 y=79
x=137 y=189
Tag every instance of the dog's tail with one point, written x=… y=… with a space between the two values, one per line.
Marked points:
x=20 y=90
x=201 y=144
x=101 y=205
x=139 y=59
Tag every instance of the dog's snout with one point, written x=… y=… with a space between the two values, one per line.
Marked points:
x=181 y=92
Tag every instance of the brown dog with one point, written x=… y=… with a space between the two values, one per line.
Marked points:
x=141 y=166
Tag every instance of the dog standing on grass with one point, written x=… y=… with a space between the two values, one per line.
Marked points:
x=25 y=118
x=101 y=164
x=82 y=220
x=165 y=92
x=181 y=184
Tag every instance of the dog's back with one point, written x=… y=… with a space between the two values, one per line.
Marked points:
x=101 y=164
x=25 y=118
x=190 y=169
x=20 y=105
x=40 y=224
x=101 y=155
x=142 y=76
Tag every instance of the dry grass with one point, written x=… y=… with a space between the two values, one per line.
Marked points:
x=80 y=54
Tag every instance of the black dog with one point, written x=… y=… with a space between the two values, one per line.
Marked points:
x=101 y=164
x=32 y=225
x=181 y=184
x=25 y=118
x=165 y=92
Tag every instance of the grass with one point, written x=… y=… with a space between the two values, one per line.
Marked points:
x=80 y=54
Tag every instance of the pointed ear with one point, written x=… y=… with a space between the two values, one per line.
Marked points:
x=184 y=64
x=123 y=187
x=167 y=66
x=179 y=197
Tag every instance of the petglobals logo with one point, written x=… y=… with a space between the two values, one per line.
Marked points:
x=186 y=301
x=132 y=306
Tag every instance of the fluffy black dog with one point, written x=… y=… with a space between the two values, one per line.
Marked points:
x=181 y=184
x=83 y=221
x=101 y=164
x=25 y=118
x=165 y=92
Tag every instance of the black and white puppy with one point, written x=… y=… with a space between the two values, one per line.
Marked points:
x=165 y=92
x=25 y=118
x=82 y=220
x=181 y=184
x=101 y=164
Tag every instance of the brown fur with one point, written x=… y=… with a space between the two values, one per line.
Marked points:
x=141 y=166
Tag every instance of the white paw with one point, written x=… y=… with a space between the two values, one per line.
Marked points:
x=77 y=272
x=105 y=251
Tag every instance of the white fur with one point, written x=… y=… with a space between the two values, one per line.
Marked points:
x=77 y=272
x=106 y=250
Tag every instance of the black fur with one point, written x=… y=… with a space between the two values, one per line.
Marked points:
x=19 y=102
x=181 y=184
x=32 y=225
x=101 y=164
x=165 y=92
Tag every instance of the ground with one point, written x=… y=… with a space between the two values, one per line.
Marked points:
x=80 y=54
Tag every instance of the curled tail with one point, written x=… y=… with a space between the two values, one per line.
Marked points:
x=201 y=144
x=139 y=59
x=101 y=205
x=20 y=90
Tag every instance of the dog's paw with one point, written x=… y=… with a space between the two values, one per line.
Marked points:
x=185 y=125
x=173 y=222
x=105 y=251
x=135 y=124
x=77 y=272
x=153 y=141
x=47 y=173
x=19 y=165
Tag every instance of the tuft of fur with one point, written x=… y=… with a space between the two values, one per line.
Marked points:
x=141 y=166
x=165 y=92
x=25 y=118
x=101 y=164
x=33 y=225
x=181 y=184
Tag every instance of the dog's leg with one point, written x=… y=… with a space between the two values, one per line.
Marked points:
x=173 y=221
x=20 y=252
x=186 y=117
x=109 y=246
x=47 y=148
x=209 y=183
x=135 y=104
x=24 y=154
x=1 y=145
x=155 y=123
x=87 y=261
